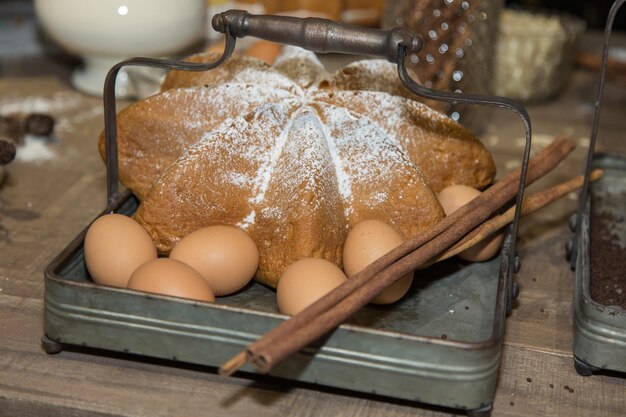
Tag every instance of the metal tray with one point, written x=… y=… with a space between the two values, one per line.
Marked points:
x=441 y=345
x=599 y=330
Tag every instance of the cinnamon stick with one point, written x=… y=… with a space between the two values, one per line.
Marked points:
x=531 y=204
x=334 y=308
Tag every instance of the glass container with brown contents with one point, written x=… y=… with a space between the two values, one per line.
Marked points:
x=597 y=252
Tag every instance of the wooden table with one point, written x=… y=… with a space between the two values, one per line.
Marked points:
x=44 y=204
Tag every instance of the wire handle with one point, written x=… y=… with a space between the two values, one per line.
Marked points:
x=110 y=114
x=492 y=101
x=319 y=35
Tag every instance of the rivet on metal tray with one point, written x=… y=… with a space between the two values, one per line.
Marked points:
x=515 y=290
x=517 y=265
x=569 y=246
x=572 y=223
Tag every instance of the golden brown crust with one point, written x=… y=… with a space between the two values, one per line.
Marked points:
x=300 y=66
x=445 y=152
x=367 y=75
x=295 y=178
x=154 y=132
x=293 y=165
x=384 y=184
x=210 y=184
x=301 y=214
x=289 y=215
x=226 y=72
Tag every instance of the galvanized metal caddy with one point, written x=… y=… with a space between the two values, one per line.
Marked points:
x=599 y=330
x=441 y=345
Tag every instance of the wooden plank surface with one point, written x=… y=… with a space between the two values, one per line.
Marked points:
x=44 y=204
x=120 y=386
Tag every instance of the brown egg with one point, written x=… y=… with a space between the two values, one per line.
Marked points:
x=306 y=281
x=454 y=197
x=366 y=242
x=225 y=256
x=170 y=277
x=115 y=246
x=264 y=50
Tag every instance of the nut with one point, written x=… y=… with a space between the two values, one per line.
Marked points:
x=39 y=124
x=7 y=150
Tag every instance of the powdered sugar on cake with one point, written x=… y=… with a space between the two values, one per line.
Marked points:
x=346 y=145
x=343 y=178
x=350 y=144
x=301 y=66
x=294 y=157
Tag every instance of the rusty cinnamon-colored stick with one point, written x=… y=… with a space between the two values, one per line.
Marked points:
x=234 y=363
x=594 y=60
x=334 y=308
x=531 y=204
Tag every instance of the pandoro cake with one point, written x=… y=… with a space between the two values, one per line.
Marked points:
x=290 y=154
